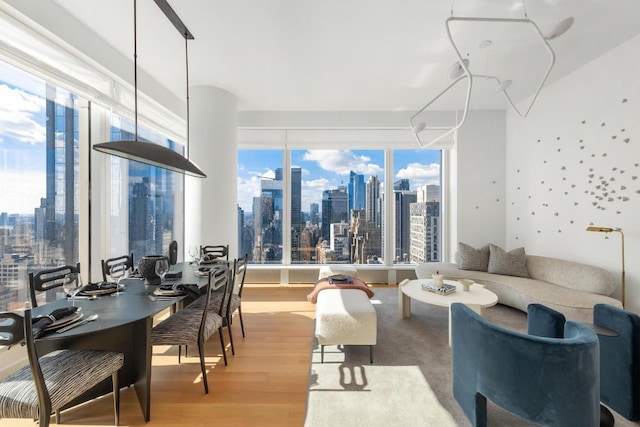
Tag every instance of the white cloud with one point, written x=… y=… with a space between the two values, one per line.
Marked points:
x=25 y=191
x=250 y=186
x=342 y=161
x=16 y=115
x=420 y=174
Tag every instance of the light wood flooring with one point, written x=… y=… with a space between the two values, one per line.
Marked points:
x=264 y=384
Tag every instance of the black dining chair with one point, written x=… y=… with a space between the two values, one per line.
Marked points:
x=127 y=260
x=195 y=324
x=50 y=382
x=48 y=279
x=235 y=299
x=215 y=252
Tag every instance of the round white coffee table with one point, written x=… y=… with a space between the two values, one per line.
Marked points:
x=477 y=298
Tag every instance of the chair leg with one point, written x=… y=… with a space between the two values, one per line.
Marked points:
x=241 y=322
x=370 y=354
x=203 y=368
x=233 y=351
x=58 y=416
x=116 y=397
x=45 y=419
x=224 y=353
x=180 y=353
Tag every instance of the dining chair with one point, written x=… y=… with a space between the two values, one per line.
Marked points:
x=228 y=303
x=127 y=260
x=50 y=382
x=47 y=279
x=195 y=324
x=215 y=251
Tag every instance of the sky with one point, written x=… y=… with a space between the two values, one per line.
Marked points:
x=327 y=169
x=22 y=141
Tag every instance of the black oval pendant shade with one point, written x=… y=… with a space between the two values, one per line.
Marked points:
x=151 y=154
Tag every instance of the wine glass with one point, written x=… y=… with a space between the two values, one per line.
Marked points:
x=161 y=268
x=72 y=283
x=194 y=252
x=118 y=272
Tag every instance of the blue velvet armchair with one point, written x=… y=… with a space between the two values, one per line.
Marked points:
x=551 y=381
x=619 y=360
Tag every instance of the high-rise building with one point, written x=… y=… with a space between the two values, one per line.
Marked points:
x=339 y=241
x=356 y=190
x=334 y=209
x=428 y=193
x=297 y=221
x=403 y=200
x=425 y=232
x=373 y=200
x=401 y=185
x=314 y=210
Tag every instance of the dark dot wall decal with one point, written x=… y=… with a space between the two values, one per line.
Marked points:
x=636 y=164
x=581 y=141
x=624 y=100
x=581 y=161
x=582 y=147
x=558 y=138
x=602 y=124
x=575 y=203
x=604 y=154
x=634 y=178
x=545 y=162
x=564 y=178
x=622 y=187
x=573 y=186
x=559 y=149
x=614 y=137
x=626 y=140
x=583 y=122
x=559 y=231
x=621 y=171
x=564 y=168
x=571 y=222
x=622 y=130
x=618 y=212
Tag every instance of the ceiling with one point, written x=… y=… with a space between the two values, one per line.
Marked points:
x=355 y=55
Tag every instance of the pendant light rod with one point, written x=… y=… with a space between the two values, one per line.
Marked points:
x=186 y=63
x=135 y=65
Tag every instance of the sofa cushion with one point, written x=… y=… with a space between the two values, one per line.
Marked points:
x=470 y=258
x=512 y=263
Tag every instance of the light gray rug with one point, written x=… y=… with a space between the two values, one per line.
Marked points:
x=409 y=382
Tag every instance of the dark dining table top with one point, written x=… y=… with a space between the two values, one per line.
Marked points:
x=133 y=303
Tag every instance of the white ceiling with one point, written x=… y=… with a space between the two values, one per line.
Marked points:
x=353 y=55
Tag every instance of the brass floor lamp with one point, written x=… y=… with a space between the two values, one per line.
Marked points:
x=609 y=230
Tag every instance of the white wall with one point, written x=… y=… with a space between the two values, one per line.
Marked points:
x=575 y=162
x=478 y=214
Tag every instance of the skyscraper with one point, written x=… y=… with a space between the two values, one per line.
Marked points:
x=356 y=190
x=373 y=200
x=297 y=222
x=425 y=232
x=403 y=200
x=334 y=209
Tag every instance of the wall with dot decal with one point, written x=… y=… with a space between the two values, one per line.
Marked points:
x=575 y=162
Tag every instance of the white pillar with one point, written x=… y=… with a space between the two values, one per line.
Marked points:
x=211 y=203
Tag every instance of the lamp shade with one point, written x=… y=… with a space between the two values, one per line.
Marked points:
x=503 y=86
x=560 y=28
x=456 y=69
x=151 y=154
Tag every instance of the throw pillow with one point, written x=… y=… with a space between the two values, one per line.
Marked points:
x=512 y=263
x=470 y=258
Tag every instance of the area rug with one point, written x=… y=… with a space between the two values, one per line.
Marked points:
x=409 y=382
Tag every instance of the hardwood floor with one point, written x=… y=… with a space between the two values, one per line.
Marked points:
x=264 y=384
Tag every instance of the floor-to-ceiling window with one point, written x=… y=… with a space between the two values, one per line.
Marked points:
x=144 y=199
x=416 y=195
x=260 y=205
x=335 y=206
x=39 y=206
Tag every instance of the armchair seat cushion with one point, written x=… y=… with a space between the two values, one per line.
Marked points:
x=67 y=373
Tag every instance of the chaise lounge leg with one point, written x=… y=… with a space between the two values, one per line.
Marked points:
x=321 y=353
x=370 y=354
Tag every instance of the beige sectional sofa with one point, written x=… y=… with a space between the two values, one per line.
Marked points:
x=569 y=287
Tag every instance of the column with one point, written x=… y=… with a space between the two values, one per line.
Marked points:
x=211 y=202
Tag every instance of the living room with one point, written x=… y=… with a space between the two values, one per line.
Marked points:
x=536 y=182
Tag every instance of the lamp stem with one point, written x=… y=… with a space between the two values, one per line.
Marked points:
x=623 y=273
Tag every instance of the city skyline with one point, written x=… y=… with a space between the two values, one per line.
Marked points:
x=329 y=169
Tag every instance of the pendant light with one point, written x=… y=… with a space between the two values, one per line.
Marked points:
x=146 y=152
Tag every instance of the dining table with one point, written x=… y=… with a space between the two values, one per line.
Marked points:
x=123 y=324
